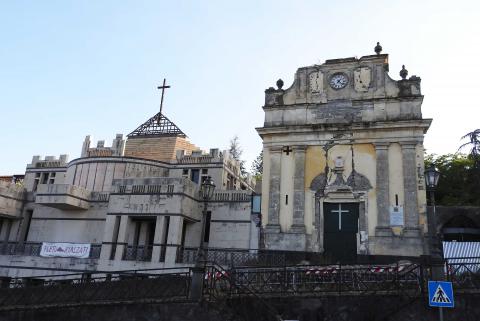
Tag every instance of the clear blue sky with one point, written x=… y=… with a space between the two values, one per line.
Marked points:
x=73 y=68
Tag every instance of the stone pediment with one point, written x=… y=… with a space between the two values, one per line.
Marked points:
x=346 y=90
x=355 y=182
x=358 y=182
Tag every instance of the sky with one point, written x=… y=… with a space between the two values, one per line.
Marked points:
x=74 y=68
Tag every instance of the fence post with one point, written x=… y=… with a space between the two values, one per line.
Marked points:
x=340 y=279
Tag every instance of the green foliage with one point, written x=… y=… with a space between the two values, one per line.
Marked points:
x=257 y=166
x=459 y=182
x=474 y=144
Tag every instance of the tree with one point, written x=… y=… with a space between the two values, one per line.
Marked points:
x=236 y=152
x=458 y=184
x=474 y=144
x=257 y=166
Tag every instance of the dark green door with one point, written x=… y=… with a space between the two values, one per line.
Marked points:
x=340 y=232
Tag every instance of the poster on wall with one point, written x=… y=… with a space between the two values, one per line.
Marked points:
x=396 y=215
x=78 y=250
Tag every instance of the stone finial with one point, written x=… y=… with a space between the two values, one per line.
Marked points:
x=403 y=72
x=378 y=48
x=280 y=84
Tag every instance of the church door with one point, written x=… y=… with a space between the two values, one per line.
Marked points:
x=340 y=232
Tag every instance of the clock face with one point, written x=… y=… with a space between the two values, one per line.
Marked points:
x=338 y=81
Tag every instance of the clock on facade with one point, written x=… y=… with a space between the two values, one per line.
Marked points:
x=338 y=81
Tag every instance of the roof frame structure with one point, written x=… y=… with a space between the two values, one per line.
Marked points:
x=157 y=126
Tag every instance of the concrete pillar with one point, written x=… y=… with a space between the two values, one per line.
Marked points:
x=158 y=238
x=8 y=228
x=298 y=225
x=383 y=196
x=108 y=237
x=410 y=186
x=174 y=239
x=273 y=224
x=122 y=237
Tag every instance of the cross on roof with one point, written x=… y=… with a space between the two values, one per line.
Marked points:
x=163 y=87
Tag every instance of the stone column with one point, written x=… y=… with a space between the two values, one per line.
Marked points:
x=122 y=237
x=410 y=187
x=273 y=225
x=298 y=225
x=158 y=238
x=174 y=239
x=383 y=196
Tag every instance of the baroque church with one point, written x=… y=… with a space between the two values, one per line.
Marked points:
x=343 y=161
x=342 y=175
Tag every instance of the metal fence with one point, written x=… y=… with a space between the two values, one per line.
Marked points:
x=232 y=257
x=464 y=273
x=137 y=253
x=34 y=248
x=76 y=289
x=322 y=280
x=406 y=280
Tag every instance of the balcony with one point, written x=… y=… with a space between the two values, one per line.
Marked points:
x=63 y=196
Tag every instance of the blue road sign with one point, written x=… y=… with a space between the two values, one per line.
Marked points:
x=440 y=294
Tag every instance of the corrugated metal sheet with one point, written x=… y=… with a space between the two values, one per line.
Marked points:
x=461 y=250
x=462 y=255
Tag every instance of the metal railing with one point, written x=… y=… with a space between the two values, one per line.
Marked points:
x=464 y=273
x=408 y=280
x=333 y=279
x=232 y=257
x=34 y=248
x=137 y=253
x=77 y=289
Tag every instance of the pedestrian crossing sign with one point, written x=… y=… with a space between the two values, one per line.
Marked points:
x=440 y=294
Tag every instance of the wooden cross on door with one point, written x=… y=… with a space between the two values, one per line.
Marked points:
x=340 y=211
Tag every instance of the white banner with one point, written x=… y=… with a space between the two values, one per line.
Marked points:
x=78 y=250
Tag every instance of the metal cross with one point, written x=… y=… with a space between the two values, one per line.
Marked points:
x=287 y=150
x=340 y=211
x=163 y=87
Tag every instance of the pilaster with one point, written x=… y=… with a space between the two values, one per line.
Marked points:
x=298 y=225
x=158 y=238
x=122 y=237
x=382 y=183
x=108 y=236
x=410 y=188
x=174 y=239
x=273 y=225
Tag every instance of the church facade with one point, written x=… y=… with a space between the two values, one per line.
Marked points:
x=343 y=161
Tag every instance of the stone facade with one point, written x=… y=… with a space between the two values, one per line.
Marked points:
x=136 y=212
x=345 y=132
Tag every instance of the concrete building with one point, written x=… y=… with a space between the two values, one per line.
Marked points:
x=134 y=204
x=343 y=161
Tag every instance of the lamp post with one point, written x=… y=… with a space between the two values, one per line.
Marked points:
x=432 y=175
x=207 y=189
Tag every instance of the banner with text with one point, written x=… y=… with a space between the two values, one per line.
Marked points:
x=78 y=250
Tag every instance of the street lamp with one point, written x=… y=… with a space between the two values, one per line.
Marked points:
x=207 y=189
x=432 y=175
x=206 y=193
